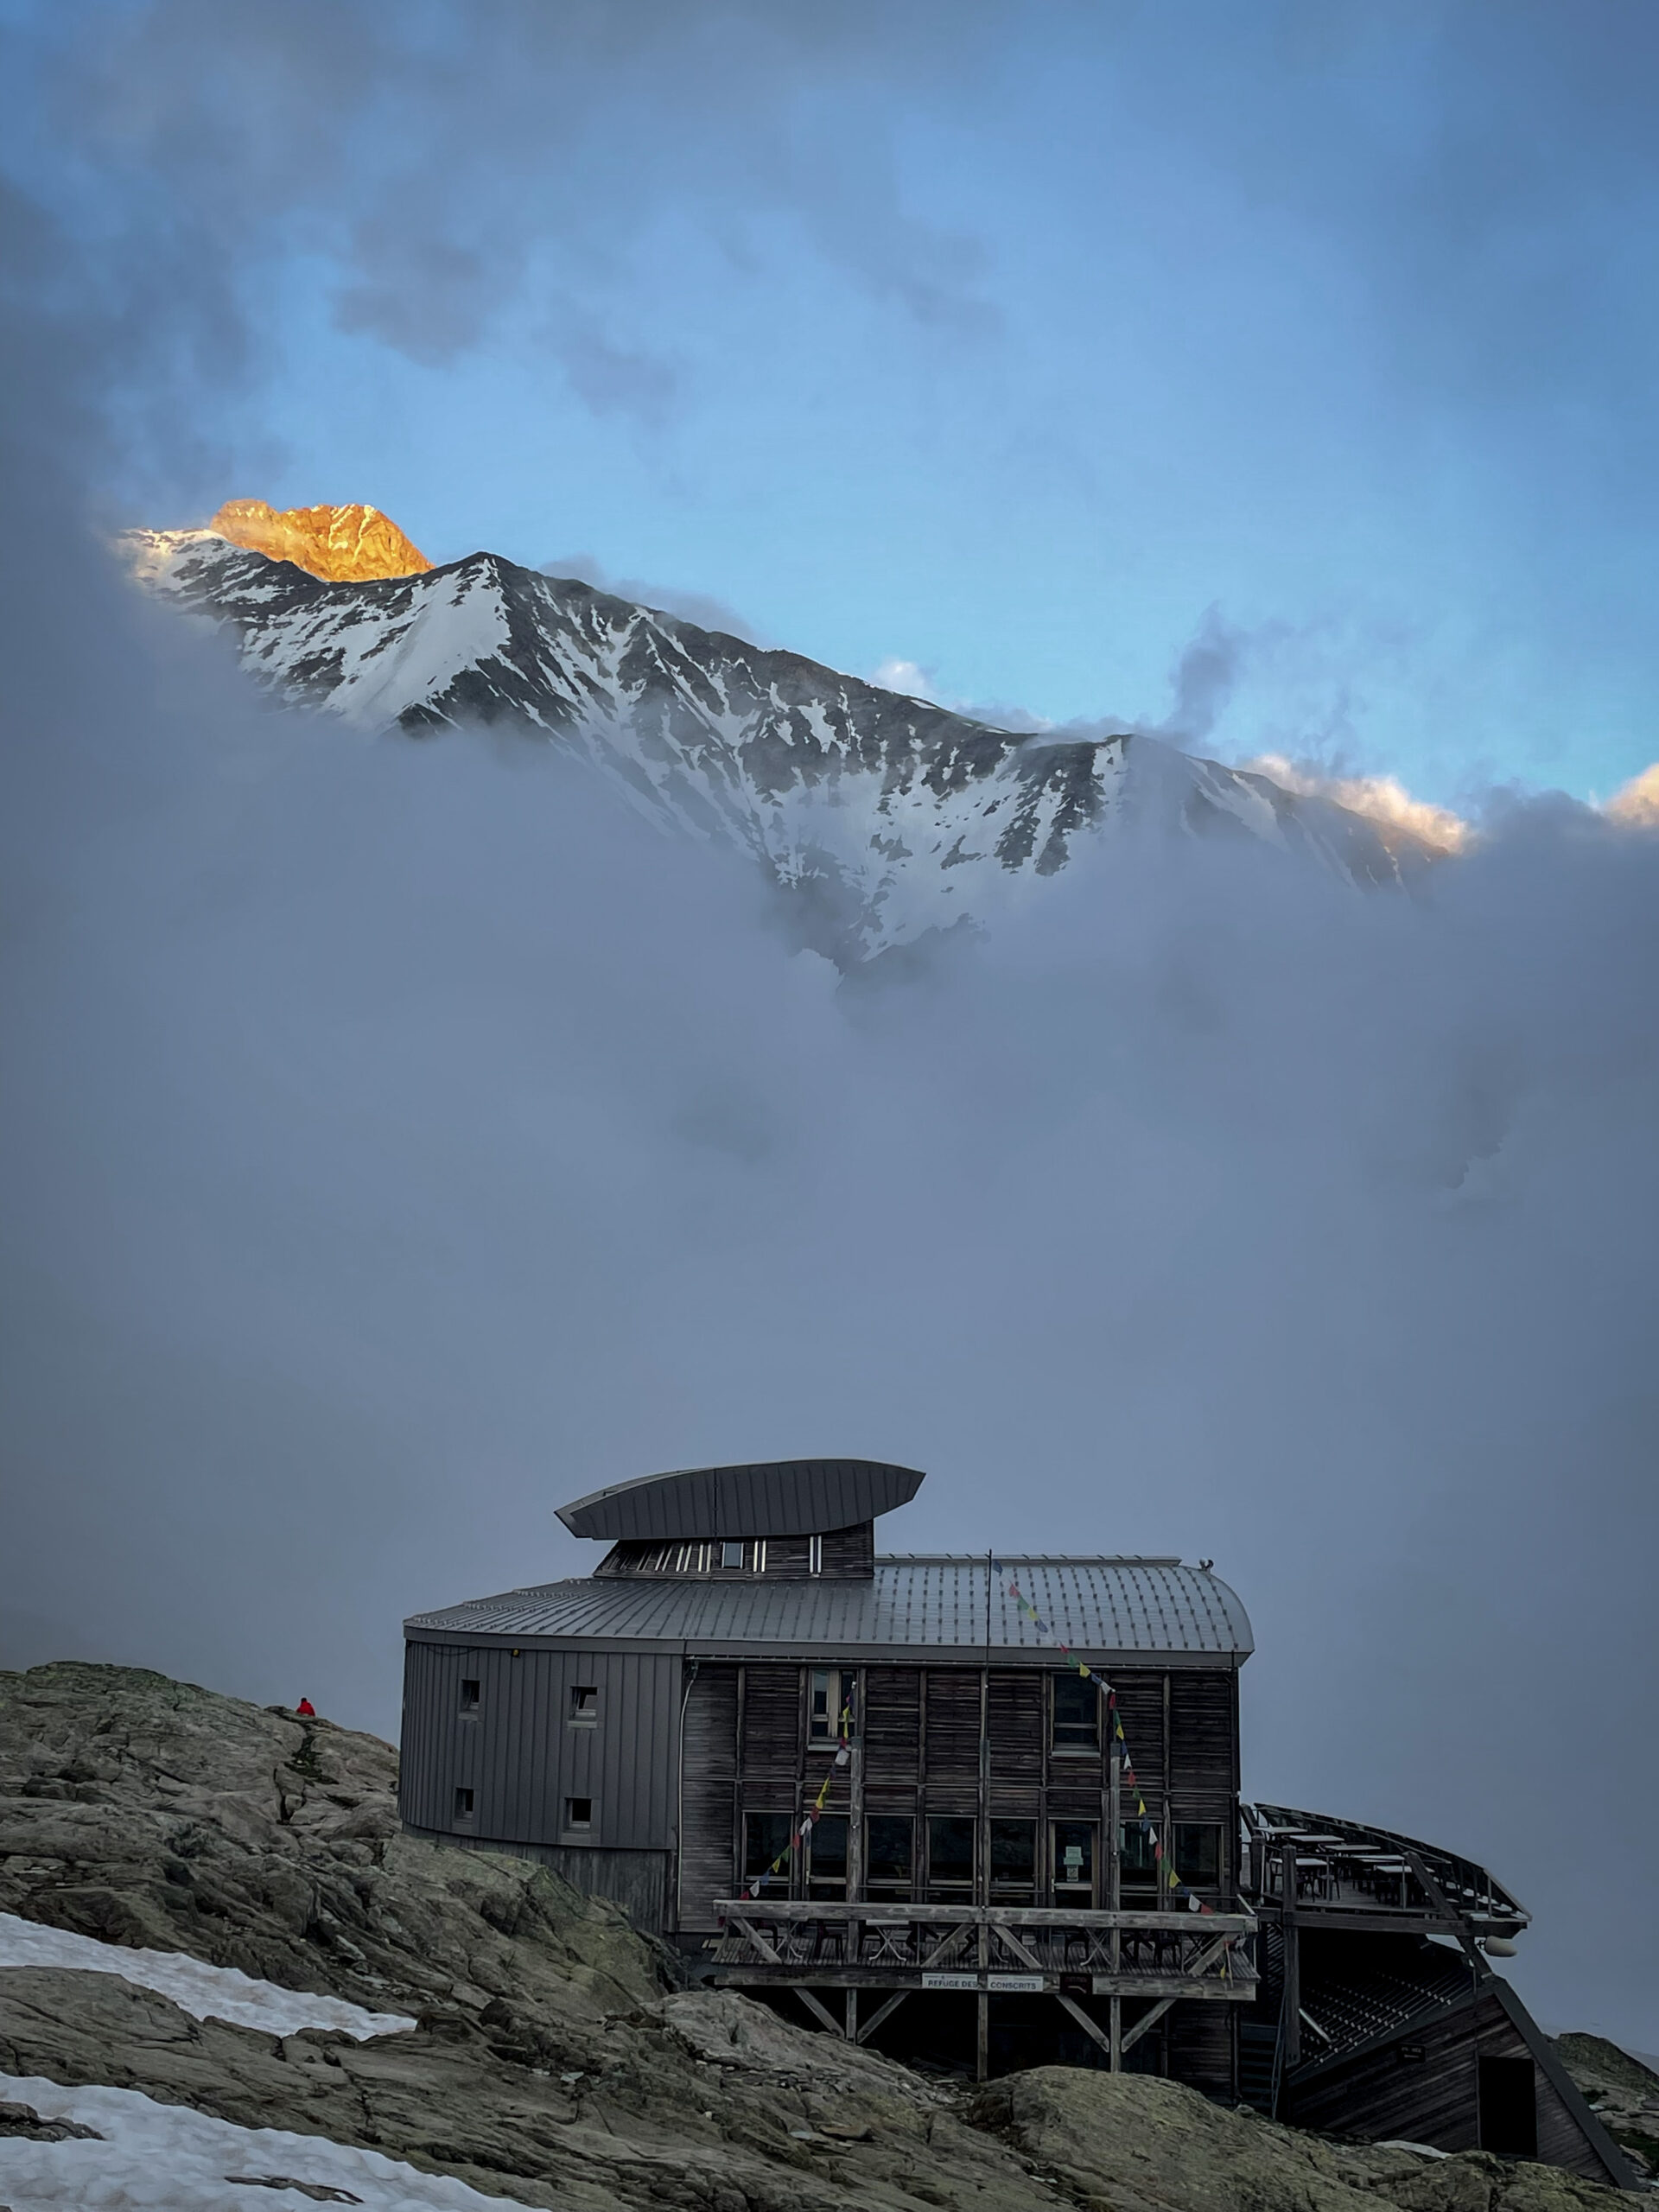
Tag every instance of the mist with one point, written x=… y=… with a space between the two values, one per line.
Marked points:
x=403 y=1140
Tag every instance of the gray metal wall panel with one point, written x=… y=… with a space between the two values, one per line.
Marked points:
x=523 y=1759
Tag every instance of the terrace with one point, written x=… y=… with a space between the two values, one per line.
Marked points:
x=1343 y=1873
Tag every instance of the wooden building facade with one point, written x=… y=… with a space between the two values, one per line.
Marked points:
x=875 y=1788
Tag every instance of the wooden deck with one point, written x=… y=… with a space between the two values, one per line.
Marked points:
x=894 y=1950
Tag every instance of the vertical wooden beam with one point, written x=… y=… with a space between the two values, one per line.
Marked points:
x=983 y=1808
x=982 y=2036
x=739 y=1807
x=1115 y=1895
x=855 y=1811
x=851 y=2029
x=1292 y=2006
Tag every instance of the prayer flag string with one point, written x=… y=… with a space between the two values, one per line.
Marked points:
x=843 y=1753
x=1166 y=1876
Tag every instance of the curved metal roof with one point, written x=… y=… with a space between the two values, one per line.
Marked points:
x=773 y=1497
x=1100 y=1607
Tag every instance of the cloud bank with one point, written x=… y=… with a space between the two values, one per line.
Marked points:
x=403 y=1140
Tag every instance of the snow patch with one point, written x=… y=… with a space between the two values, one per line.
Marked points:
x=207 y=1992
x=156 y=2158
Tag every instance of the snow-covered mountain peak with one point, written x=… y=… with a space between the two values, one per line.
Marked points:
x=890 y=816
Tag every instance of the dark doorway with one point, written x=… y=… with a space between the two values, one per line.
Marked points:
x=1508 y=2108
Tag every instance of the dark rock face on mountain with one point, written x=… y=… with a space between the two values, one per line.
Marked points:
x=554 y=2061
x=887 y=817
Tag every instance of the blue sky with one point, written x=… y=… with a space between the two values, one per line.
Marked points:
x=1004 y=342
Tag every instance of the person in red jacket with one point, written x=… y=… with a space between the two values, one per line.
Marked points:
x=306 y=1708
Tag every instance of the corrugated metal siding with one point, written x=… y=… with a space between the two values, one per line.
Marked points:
x=1098 y=1606
x=782 y=1497
x=522 y=1759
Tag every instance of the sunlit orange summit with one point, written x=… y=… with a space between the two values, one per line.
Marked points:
x=340 y=544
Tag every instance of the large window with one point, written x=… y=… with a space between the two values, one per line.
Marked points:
x=889 y=1843
x=1137 y=1868
x=1072 y=1861
x=1076 y=1714
x=950 y=1859
x=1197 y=1852
x=1013 y=1862
x=831 y=1707
x=766 y=1837
x=826 y=1856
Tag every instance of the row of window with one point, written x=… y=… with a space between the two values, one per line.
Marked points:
x=581 y=1707
x=832 y=1704
x=578 y=1811
x=945 y=1868
x=832 y=1711
x=950 y=1843
x=727 y=1554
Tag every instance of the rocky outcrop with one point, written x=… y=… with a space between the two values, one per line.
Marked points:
x=1136 y=2144
x=1621 y=2091
x=555 y=2061
x=352 y=544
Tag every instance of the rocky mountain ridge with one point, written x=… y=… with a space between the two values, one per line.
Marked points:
x=555 y=2061
x=884 y=816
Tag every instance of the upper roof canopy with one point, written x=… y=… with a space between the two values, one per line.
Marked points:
x=773 y=1497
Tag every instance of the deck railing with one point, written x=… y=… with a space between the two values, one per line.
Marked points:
x=988 y=1948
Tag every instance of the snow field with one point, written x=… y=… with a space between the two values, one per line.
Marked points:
x=207 y=1992
x=156 y=2158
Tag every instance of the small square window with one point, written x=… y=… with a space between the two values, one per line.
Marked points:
x=1137 y=1867
x=578 y=1813
x=766 y=1844
x=950 y=1857
x=584 y=1704
x=469 y=1696
x=1197 y=1852
x=463 y=1804
x=889 y=1841
x=831 y=1710
x=731 y=1554
x=826 y=1849
x=1076 y=1714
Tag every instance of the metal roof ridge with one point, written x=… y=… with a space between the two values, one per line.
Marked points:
x=1030 y=1558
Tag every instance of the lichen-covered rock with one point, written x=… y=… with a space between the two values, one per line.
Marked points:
x=1126 y=2143
x=1624 y=2091
x=154 y=1813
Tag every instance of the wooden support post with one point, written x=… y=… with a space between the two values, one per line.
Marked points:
x=819 y=2010
x=1115 y=1898
x=982 y=2025
x=1292 y=2031
x=1149 y=2020
x=882 y=2013
x=851 y=2029
x=1083 y=2020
